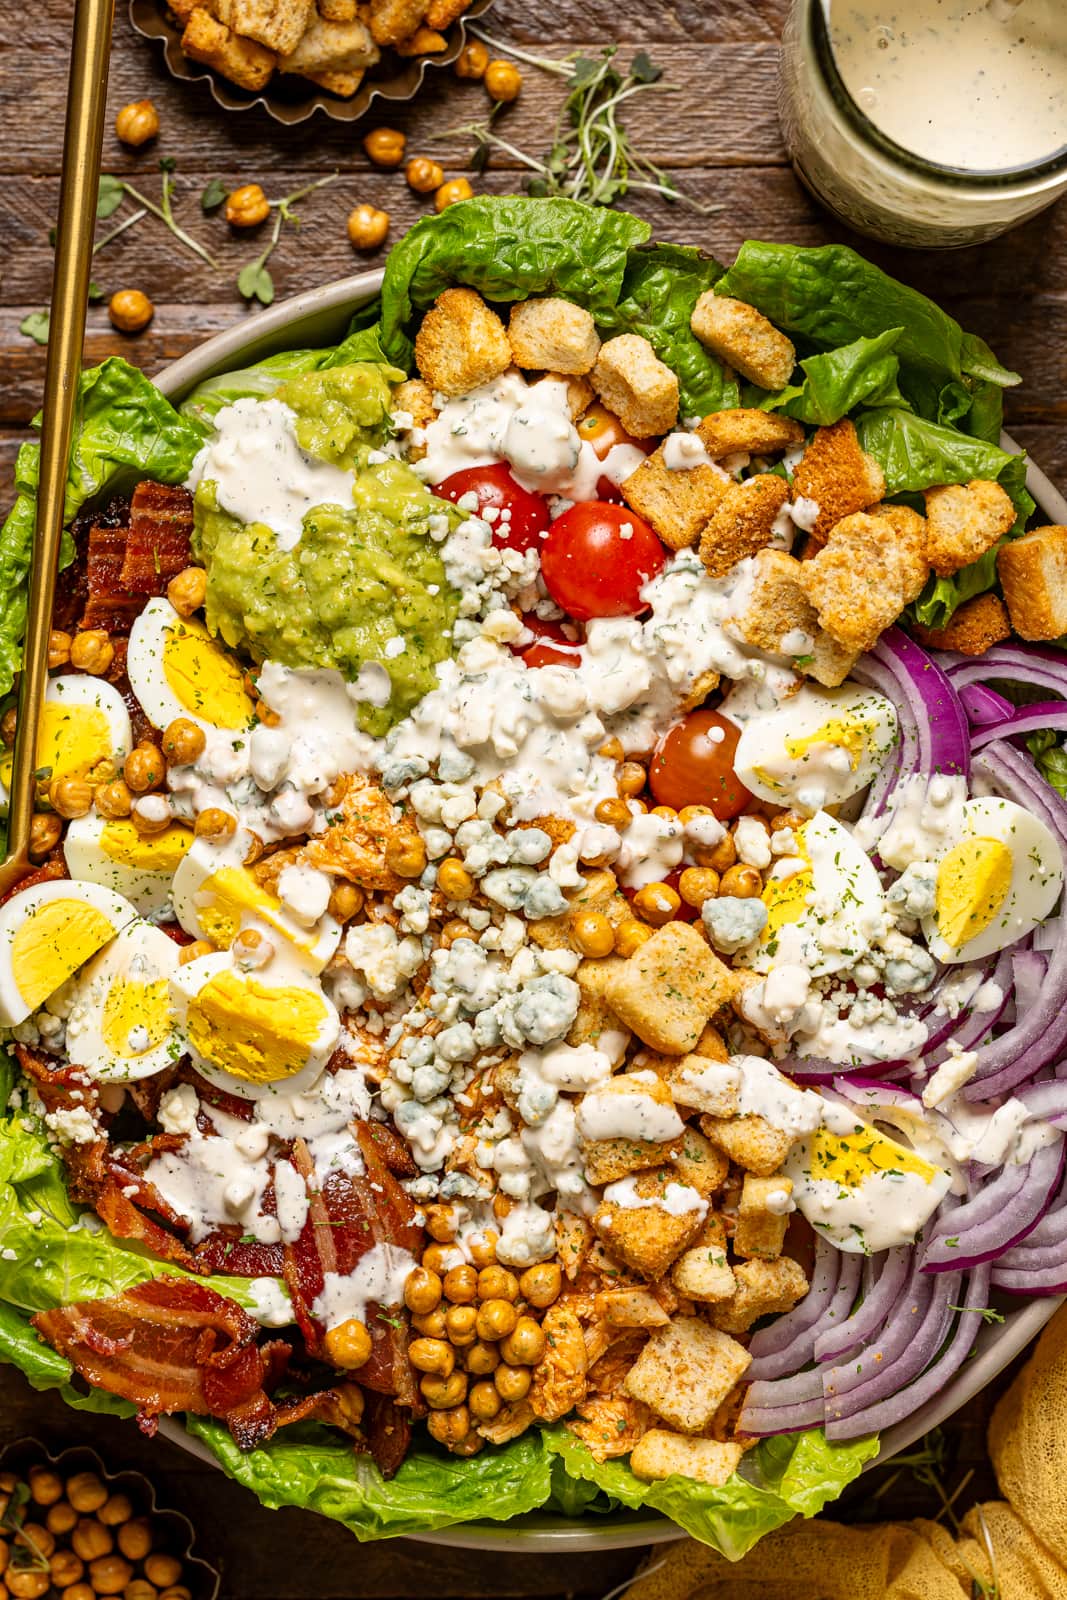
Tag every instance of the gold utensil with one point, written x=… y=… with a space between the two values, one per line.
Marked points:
x=86 y=98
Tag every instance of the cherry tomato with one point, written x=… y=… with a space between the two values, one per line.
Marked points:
x=693 y=765
x=602 y=429
x=597 y=559
x=494 y=487
x=552 y=646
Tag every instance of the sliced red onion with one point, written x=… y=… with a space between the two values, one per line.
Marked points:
x=789 y=1342
x=1005 y=1209
x=934 y=736
x=1048 y=935
x=1046 y=1102
x=984 y=706
x=911 y=1340
x=884 y=1279
x=968 y=1032
x=872 y=1093
x=1024 y=719
x=1016 y=1280
x=889 y=1344
x=1034 y=665
x=783 y=1405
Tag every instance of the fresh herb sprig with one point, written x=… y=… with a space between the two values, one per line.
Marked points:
x=254 y=280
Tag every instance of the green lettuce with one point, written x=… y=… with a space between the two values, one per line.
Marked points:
x=267 y=377
x=863 y=373
x=1047 y=750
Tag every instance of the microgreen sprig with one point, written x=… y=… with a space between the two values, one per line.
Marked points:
x=164 y=210
x=254 y=280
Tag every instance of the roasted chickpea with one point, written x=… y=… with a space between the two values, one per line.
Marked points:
x=5 y=1554
x=193 y=952
x=187 y=591
x=66 y=1568
x=612 y=750
x=140 y=1589
x=698 y=884
x=406 y=857
x=92 y=651
x=183 y=741
x=455 y=928
x=58 y=648
x=453 y=880
x=151 y=814
x=461 y=1285
x=524 y=1345
x=78 y=1591
x=423 y=175
x=385 y=146
x=656 y=903
x=345 y=901
x=454 y=190
x=43 y=1541
x=460 y=1325
x=144 y=768
x=497 y=1283
x=719 y=857
x=449 y=1427
x=247 y=206
x=613 y=813
x=70 y=797
x=502 y=80
x=115 y=1509
x=61 y=1517
x=630 y=936
x=481 y=1359
x=481 y=1248
x=137 y=123
x=593 y=934
x=472 y=60
x=46 y=830
x=179 y=1591
x=432 y=1355
x=441 y=1394
x=741 y=882
x=135 y=1538
x=496 y=1319
x=110 y=1574
x=512 y=1383
x=130 y=310
x=441 y=1258
x=541 y=1285
x=27 y=1583
x=214 y=823
x=484 y=1401
x=162 y=1570
x=349 y=1344
x=8 y=724
x=630 y=779
x=367 y=227
x=441 y=1223
x=430 y=1323
x=422 y=1290
x=91 y=1539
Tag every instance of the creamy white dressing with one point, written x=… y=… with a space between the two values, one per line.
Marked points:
x=614 y=1115
x=676 y=1199
x=377 y=1279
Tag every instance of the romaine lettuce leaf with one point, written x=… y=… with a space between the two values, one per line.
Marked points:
x=267 y=376
x=1048 y=752
x=863 y=373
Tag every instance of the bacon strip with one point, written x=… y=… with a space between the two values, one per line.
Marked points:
x=53 y=868
x=157 y=545
x=110 y=605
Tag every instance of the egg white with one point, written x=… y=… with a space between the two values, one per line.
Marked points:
x=208 y=872
x=47 y=933
x=119 y=1020
x=176 y=669
x=820 y=747
x=825 y=905
x=85 y=723
x=139 y=866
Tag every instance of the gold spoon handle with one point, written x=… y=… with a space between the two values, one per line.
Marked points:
x=86 y=104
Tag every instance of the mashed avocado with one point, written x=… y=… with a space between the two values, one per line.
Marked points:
x=343 y=411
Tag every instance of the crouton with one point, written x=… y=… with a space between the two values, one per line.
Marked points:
x=675 y=502
x=750 y=1141
x=699 y=1164
x=744 y=338
x=630 y=1308
x=332 y=47
x=633 y=382
x=870 y=568
x=394 y=20
x=829 y=663
x=423 y=42
x=277 y=24
x=659 y=1454
x=976 y=626
x=762 y=1287
x=648 y=1237
x=701 y=1084
x=702 y=1272
x=667 y=990
x=685 y=1372
x=744 y=431
x=596 y=1023
x=778 y=616
x=461 y=344
x=559 y=1382
x=963 y=521
x=839 y=476
x=443 y=13
x=1033 y=575
x=414 y=399
x=338 y=10
x=183 y=9
x=553 y=336
x=610 y=1426
x=742 y=522
x=600 y=893
x=609 y=1158
x=762 y=1216
x=579 y=391
x=344 y=84
x=244 y=62
x=573 y=1239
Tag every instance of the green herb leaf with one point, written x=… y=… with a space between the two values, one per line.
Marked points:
x=167 y=164
x=643 y=70
x=95 y=291
x=110 y=195
x=35 y=326
x=213 y=196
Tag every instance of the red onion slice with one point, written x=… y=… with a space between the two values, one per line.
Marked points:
x=783 y=1405
x=885 y=1276
x=1033 y=718
x=984 y=706
x=1004 y=1210
x=789 y=1343
x=1033 y=665
x=911 y=1340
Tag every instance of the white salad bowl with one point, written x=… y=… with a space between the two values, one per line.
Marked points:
x=320 y=317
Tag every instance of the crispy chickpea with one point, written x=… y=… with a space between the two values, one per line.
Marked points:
x=61 y=1517
x=613 y=813
x=698 y=884
x=423 y=175
x=179 y=1591
x=130 y=310
x=135 y=1538
x=630 y=779
x=115 y=1509
x=453 y=880
x=502 y=1206
x=5 y=1554
x=656 y=903
x=455 y=928
x=42 y=1540
x=461 y=1285
x=432 y=1355
x=345 y=901
x=140 y=1589
x=45 y=833
x=481 y=1358
x=253 y=850
x=449 y=1427
x=70 y=797
x=612 y=750
x=349 y=1344
x=630 y=936
x=91 y=1539
x=593 y=933
x=137 y=123
x=110 y=1574
x=91 y=651
x=144 y=768
x=441 y=1223
x=513 y=1383
x=214 y=823
x=113 y=800
x=162 y=1570
x=743 y=883
x=66 y=1568
x=247 y=206
x=193 y=952
x=58 y=648
x=472 y=60
x=502 y=80
x=385 y=146
x=482 y=1248
x=187 y=591
x=78 y=1591
x=460 y=1325
x=468 y=1446
x=183 y=741
x=406 y=857
x=422 y=1290
x=451 y=192
x=151 y=814
x=441 y=1258
x=484 y=1401
x=541 y=1285
x=720 y=857
x=524 y=1345
x=441 y=1394
x=496 y=1319
x=787 y=819
x=497 y=1283
x=367 y=227
x=27 y=1583
x=8 y=724
x=430 y=1323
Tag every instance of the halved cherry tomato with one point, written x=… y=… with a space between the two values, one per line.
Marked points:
x=551 y=647
x=597 y=559
x=495 y=488
x=693 y=765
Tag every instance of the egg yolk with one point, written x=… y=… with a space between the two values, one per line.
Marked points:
x=72 y=743
x=852 y=1158
x=157 y=852
x=787 y=899
x=252 y=1030
x=131 y=1005
x=53 y=943
x=846 y=733
x=231 y=894
x=206 y=681
x=972 y=884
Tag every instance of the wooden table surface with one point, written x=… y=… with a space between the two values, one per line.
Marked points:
x=718 y=132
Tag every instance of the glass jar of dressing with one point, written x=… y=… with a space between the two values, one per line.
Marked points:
x=932 y=123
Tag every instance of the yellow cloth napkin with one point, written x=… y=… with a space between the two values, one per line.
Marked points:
x=1013 y=1549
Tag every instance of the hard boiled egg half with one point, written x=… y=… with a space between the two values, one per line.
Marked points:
x=819 y=747
x=119 y=1022
x=176 y=669
x=140 y=866
x=825 y=904
x=49 y=931
x=215 y=896
x=84 y=725
x=862 y=1190
x=996 y=884
x=253 y=1032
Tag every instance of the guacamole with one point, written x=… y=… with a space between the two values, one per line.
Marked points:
x=342 y=412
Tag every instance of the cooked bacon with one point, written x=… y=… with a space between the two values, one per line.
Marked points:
x=141 y=727
x=388 y=1431
x=53 y=868
x=227 y=1250
x=395 y=1153
x=110 y=605
x=209 y=1095
x=72 y=583
x=157 y=545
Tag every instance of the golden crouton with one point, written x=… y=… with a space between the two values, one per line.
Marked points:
x=870 y=568
x=332 y=47
x=414 y=399
x=183 y=9
x=762 y=1216
x=963 y=521
x=975 y=627
x=394 y=20
x=632 y=381
x=595 y=1017
x=675 y=502
x=278 y=24
x=702 y=1272
x=443 y=13
x=667 y=990
x=699 y=1083
x=699 y=1164
x=607 y=1160
x=423 y=42
x=685 y=1372
x=743 y=337
x=344 y=84
x=762 y=1287
x=777 y=612
x=742 y=522
x=610 y=1426
x=648 y=1237
x=838 y=476
x=600 y=893
x=750 y=1141
x=746 y=431
x=244 y=62
x=579 y=391
x=659 y=1454
x=1033 y=575
x=338 y=10
x=830 y=662
x=630 y=1308
x=559 y=1382
x=553 y=336
x=461 y=344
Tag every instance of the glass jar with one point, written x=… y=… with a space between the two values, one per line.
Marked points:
x=875 y=185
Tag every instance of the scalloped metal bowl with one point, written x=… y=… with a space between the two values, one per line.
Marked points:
x=320 y=317
x=289 y=99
